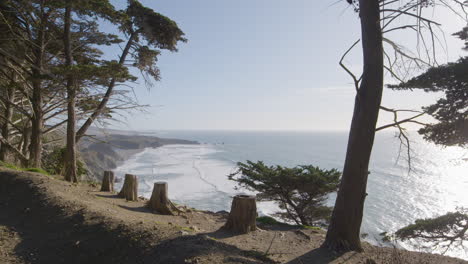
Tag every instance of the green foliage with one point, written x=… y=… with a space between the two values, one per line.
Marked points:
x=451 y=111
x=300 y=191
x=53 y=162
x=266 y=220
x=311 y=227
x=37 y=170
x=463 y=34
x=158 y=30
x=14 y=167
x=443 y=232
x=9 y=165
x=149 y=32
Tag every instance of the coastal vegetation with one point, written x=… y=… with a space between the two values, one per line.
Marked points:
x=378 y=23
x=301 y=192
x=450 y=112
x=440 y=233
x=54 y=73
x=57 y=82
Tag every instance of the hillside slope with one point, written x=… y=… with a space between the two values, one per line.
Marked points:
x=46 y=220
x=106 y=152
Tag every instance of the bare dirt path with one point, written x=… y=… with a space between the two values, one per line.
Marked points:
x=46 y=220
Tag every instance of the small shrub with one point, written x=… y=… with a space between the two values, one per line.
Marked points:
x=266 y=220
x=53 y=162
x=311 y=227
x=9 y=165
x=37 y=170
x=300 y=191
x=439 y=233
x=14 y=167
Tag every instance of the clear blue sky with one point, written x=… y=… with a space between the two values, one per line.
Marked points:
x=262 y=65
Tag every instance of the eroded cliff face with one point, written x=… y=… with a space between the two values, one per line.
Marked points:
x=109 y=151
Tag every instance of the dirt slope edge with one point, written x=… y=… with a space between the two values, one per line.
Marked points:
x=39 y=226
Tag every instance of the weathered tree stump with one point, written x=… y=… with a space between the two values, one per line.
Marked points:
x=159 y=201
x=243 y=215
x=130 y=188
x=108 y=182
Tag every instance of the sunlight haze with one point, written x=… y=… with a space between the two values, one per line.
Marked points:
x=266 y=65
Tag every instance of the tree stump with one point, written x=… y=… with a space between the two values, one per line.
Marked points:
x=108 y=182
x=159 y=201
x=243 y=215
x=130 y=188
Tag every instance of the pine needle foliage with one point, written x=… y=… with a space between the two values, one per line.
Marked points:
x=300 y=191
x=439 y=233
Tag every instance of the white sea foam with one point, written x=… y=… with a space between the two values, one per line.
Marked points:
x=197 y=175
x=194 y=176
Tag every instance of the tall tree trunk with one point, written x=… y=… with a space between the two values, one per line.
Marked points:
x=37 y=122
x=343 y=232
x=8 y=111
x=81 y=132
x=25 y=140
x=70 y=155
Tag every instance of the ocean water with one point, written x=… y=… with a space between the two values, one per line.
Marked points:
x=197 y=174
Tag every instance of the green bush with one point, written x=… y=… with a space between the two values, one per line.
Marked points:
x=300 y=191
x=53 y=162
x=9 y=165
x=14 y=167
x=442 y=232
x=266 y=220
x=38 y=170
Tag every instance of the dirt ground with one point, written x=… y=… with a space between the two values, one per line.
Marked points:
x=46 y=220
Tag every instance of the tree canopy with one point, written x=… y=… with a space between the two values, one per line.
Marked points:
x=450 y=111
x=54 y=69
x=442 y=232
x=300 y=191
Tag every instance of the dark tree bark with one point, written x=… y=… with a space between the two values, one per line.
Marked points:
x=130 y=188
x=25 y=144
x=159 y=201
x=7 y=115
x=37 y=121
x=243 y=215
x=70 y=155
x=108 y=182
x=344 y=230
x=102 y=105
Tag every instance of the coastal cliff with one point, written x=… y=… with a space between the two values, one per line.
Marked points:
x=106 y=152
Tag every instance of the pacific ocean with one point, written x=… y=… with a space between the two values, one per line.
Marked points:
x=436 y=183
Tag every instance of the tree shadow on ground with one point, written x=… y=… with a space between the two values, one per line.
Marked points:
x=221 y=234
x=317 y=256
x=190 y=247
x=54 y=231
x=112 y=196
x=139 y=209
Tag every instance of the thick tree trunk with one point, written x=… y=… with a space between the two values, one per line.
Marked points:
x=70 y=155
x=130 y=188
x=108 y=182
x=344 y=230
x=25 y=144
x=37 y=122
x=82 y=131
x=35 y=148
x=159 y=201
x=243 y=215
x=7 y=115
